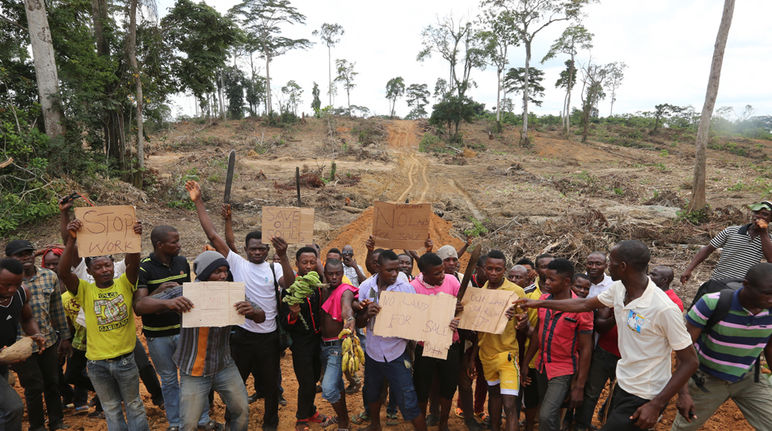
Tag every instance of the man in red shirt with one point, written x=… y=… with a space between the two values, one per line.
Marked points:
x=564 y=342
x=662 y=276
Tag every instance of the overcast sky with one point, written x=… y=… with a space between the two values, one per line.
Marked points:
x=666 y=44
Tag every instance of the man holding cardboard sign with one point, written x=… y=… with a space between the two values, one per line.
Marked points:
x=254 y=346
x=386 y=357
x=110 y=332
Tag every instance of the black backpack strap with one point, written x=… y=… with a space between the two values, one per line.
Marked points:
x=722 y=308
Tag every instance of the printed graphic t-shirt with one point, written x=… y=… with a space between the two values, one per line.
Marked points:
x=110 y=329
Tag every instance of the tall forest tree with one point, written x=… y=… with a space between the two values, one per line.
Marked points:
x=131 y=48
x=616 y=75
x=292 y=92
x=316 y=103
x=497 y=39
x=698 y=200
x=458 y=43
x=330 y=35
x=529 y=18
x=574 y=38
x=45 y=66
x=594 y=77
x=514 y=82
x=188 y=27
x=262 y=21
x=346 y=75
x=417 y=96
x=395 y=88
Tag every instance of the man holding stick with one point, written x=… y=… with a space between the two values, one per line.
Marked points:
x=650 y=328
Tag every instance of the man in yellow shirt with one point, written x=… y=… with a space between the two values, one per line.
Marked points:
x=499 y=352
x=110 y=331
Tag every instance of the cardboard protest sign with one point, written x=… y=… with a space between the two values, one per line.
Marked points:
x=295 y=225
x=401 y=226
x=484 y=309
x=107 y=230
x=417 y=317
x=213 y=304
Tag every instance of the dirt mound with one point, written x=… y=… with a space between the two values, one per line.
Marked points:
x=357 y=232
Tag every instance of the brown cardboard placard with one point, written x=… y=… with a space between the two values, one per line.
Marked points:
x=401 y=226
x=484 y=309
x=295 y=225
x=107 y=230
x=213 y=304
x=417 y=317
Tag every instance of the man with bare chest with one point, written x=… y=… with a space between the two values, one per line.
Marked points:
x=338 y=308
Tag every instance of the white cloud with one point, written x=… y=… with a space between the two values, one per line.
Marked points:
x=667 y=46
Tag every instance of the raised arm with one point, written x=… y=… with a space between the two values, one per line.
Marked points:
x=701 y=255
x=64 y=271
x=194 y=190
x=766 y=242
x=573 y=305
x=369 y=261
x=466 y=246
x=288 y=274
x=132 y=259
x=227 y=216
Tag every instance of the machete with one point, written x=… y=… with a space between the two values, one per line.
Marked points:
x=468 y=272
x=229 y=177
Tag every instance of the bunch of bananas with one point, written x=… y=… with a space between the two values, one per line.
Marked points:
x=303 y=287
x=353 y=355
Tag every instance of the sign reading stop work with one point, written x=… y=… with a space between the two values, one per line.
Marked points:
x=107 y=230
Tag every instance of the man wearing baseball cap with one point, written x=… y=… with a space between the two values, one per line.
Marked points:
x=742 y=247
x=39 y=374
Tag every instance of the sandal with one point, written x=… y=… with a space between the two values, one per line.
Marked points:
x=361 y=418
x=318 y=418
x=331 y=420
x=392 y=419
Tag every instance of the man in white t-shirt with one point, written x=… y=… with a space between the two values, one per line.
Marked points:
x=596 y=264
x=254 y=346
x=650 y=328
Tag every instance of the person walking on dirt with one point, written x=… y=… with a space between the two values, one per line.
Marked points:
x=730 y=330
x=161 y=320
x=15 y=311
x=351 y=269
x=111 y=336
x=39 y=374
x=302 y=321
x=338 y=308
x=652 y=329
x=742 y=247
x=254 y=346
x=203 y=354
x=386 y=358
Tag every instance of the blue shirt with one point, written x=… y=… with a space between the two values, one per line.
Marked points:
x=382 y=349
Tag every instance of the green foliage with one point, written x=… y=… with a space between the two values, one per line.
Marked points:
x=234 y=82
x=178 y=196
x=452 y=110
x=696 y=217
x=477 y=229
x=333 y=169
x=514 y=82
x=316 y=104
x=431 y=143
x=417 y=99
x=395 y=88
x=292 y=93
x=367 y=133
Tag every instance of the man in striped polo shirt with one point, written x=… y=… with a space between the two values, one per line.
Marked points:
x=728 y=351
x=742 y=246
x=161 y=320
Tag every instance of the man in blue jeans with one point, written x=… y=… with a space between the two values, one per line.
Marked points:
x=337 y=313
x=161 y=320
x=203 y=355
x=386 y=358
x=110 y=331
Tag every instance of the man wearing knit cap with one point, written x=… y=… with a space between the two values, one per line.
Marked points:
x=203 y=354
x=449 y=259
